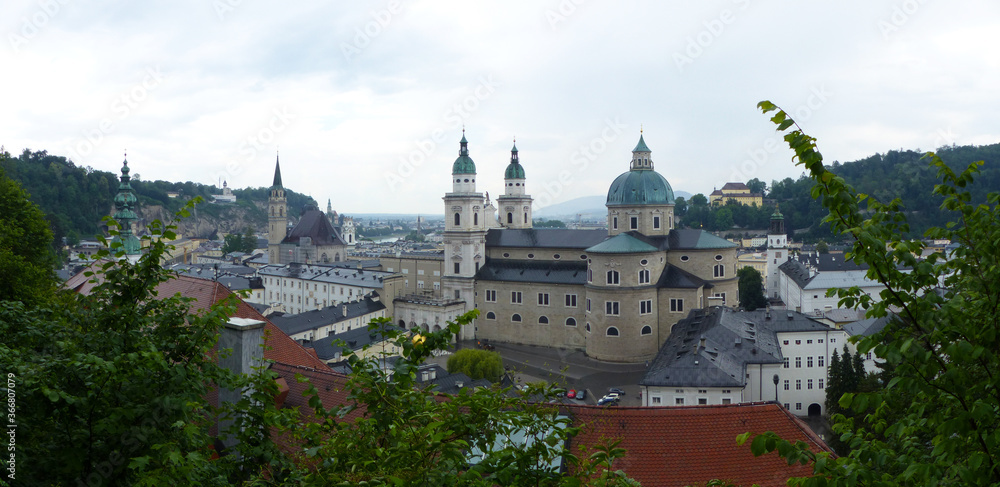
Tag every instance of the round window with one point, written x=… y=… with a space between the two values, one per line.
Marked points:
x=531 y=256
x=555 y=256
x=505 y=254
x=643 y=262
x=583 y=256
x=684 y=258
x=718 y=257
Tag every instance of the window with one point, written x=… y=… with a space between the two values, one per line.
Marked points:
x=719 y=270
x=679 y=401
x=656 y=222
x=555 y=256
x=475 y=218
x=656 y=400
x=543 y=299
x=809 y=384
x=798 y=384
x=458 y=219
x=570 y=321
x=570 y=300
x=612 y=331
x=531 y=256
x=613 y=277
x=727 y=400
x=819 y=361
x=590 y=275
x=614 y=223
x=718 y=257
x=588 y=327
x=785 y=342
x=787 y=406
x=676 y=305
x=491 y=295
x=633 y=223
x=647 y=330
x=491 y=315
x=645 y=306
x=819 y=341
x=544 y=320
x=786 y=384
x=809 y=342
x=611 y=308
x=510 y=218
x=702 y=400
x=821 y=383
x=798 y=406
x=644 y=276
x=516 y=318
x=684 y=258
x=786 y=362
x=809 y=361
x=798 y=362
x=458 y=267
x=868 y=356
x=798 y=342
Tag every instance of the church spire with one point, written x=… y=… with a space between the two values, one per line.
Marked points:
x=125 y=214
x=277 y=172
x=641 y=156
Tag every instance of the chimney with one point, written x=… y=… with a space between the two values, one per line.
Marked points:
x=245 y=338
x=343 y=309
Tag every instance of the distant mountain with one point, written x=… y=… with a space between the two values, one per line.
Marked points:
x=587 y=206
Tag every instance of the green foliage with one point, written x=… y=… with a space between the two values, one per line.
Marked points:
x=822 y=247
x=415 y=236
x=846 y=375
x=477 y=364
x=935 y=422
x=26 y=257
x=751 y=289
x=245 y=242
x=757 y=186
x=699 y=200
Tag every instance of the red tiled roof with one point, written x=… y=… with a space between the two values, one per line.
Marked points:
x=692 y=445
x=280 y=347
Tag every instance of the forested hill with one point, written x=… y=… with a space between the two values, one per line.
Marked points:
x=75 y=199
x=903 y=174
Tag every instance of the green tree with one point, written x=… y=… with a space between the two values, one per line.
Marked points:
x=935 y=422
x=699 y=200
x=550 y=224
x=757 y=186
x=680 y=206
x=822 y=247
x=751 y=289
x=477 y=364
x=245 y=242
x=26 y=258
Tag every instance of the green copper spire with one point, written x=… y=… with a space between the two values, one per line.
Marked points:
x=125 y=214
x=277 y=173
x=514 y=170
x=463 y=164
x=641 y=146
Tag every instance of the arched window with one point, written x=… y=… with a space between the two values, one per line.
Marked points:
x=646 y=330
x=720 y=270
x=402 y=323
x=613 y=277
x=336 y=257
x=281 y=211
x=516 y=318
x=644 y=276
x=510 y=218
x=588 y=327
x=458 y=219
x=590 y=275
x=525 y=218
x=612 y=331
x=475 y=218
x=570 y=321
x=543 y=320
x=491 y=315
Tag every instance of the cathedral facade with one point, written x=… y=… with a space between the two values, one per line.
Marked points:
x=615 y=294
x=312 y=240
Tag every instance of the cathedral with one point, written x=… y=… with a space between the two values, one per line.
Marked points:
x=312 y=240
x=614 y=294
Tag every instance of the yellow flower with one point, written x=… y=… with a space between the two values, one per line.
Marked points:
x=419 y=339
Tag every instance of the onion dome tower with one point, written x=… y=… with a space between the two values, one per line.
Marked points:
x=125 y=216
x=640 y=199
x=515 y=205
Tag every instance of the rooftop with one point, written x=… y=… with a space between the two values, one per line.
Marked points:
x=309 y=320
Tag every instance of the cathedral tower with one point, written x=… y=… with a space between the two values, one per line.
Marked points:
x=640 y=199
x=277 y=215
x=515 y=205
x=465 y=231
x=125 y=216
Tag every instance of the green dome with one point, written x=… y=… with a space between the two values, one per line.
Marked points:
x=464 y=164
x=640 y=187
x=514 y=170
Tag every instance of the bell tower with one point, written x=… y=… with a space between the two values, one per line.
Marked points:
x=277 y=215
x=464 y=233
x=515 y=205
x=777 y=251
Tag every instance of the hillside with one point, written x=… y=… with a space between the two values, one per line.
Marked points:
x=75 y=199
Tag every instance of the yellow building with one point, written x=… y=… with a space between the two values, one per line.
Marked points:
x=737 y=192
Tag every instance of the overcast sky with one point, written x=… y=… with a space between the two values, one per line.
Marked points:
x=366 y=100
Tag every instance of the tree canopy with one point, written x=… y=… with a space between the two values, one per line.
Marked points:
x=751 y=289
x=26 y=258
x=935 y=422
x=477 y=364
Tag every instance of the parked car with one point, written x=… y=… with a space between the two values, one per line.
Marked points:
x=571 y=394
x=613 y=395
x=581 y=394
x=607 y=401
x=616 y=391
